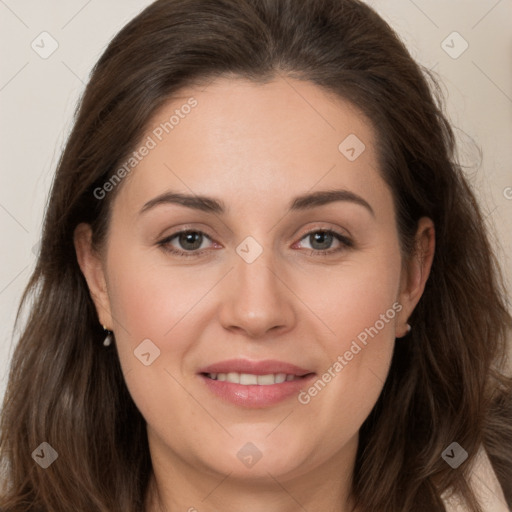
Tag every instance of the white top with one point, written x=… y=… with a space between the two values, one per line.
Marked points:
x=486 y=486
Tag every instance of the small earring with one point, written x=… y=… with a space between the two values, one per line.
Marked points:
x=409 y=328
x=108 y=338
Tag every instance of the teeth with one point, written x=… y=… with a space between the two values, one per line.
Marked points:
x=265 y=380
x=247 y=379
x=280 y=377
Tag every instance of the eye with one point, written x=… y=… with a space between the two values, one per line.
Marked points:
x=321 y=240
x=190 y=242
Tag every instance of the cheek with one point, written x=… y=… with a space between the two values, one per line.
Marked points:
x=149 y=301
x=153 y=337
x=360 y=307
x=153 y=310
x=355 y=295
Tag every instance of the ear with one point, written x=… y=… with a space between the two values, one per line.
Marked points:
x=415 y=273
x=93 y=270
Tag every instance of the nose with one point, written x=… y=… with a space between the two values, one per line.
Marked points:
x=257 y=299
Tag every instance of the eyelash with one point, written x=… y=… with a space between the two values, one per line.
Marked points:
x=346 y=243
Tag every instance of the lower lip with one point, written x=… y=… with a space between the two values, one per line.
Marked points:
x=255 y=395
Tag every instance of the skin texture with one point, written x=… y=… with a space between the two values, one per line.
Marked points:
x=255 y=147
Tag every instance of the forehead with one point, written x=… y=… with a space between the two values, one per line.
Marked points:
x=235 y=135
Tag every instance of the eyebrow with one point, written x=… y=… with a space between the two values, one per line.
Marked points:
x=303 y=202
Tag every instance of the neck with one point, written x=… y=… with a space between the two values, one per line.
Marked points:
x=177 y=486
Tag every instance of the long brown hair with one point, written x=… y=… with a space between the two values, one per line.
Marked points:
x=446 y=382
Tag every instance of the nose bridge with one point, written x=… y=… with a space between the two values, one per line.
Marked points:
x=256 y=299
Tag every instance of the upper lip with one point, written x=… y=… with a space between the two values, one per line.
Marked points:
x=265 y=367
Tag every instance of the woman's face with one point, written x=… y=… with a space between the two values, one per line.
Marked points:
x=259 y=286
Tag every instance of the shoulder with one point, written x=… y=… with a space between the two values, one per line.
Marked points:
x=485 y=485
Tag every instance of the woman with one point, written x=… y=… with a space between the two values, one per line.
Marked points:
x=363 y=371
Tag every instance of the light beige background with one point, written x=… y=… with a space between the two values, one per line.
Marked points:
x=38 y=98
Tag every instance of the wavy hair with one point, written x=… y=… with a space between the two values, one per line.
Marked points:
x=446 y=383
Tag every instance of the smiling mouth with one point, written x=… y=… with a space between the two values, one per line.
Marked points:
x=249 y=379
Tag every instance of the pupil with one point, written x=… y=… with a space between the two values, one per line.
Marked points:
x=186 y=238
x=322 y=236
